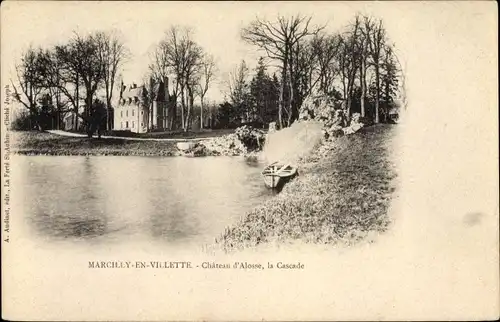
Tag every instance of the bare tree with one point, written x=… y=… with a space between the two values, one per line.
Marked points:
x=54 y=80
x=112 y=53
x=82 y=58
x=148 y=97
x=239 y=90
x=29 y=81
x=366 y=31
x=63 y=72
x=279 y=40
x=163 y=64
x=349 y=61
x=208 y=69
x=178 y=55
x=237 y=82
x=326 y=48
x=193 y=64
x=61 y=81
x=376 y=42
x=391 y=75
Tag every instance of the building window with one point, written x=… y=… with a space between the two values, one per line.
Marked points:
x=121 y=113
x=126 y=114
x=126 y=124
x=142 y=124
x=121 y=124
x=142 y=112
x=132 y=112
x=133 y=124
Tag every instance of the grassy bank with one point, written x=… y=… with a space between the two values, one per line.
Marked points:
x=342 y=193
x=41 y=143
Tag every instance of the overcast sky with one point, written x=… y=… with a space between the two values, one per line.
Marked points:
x=217 y=26
x=422 y=32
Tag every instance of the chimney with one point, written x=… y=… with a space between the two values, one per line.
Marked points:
x=134 y=85
x=122 y=88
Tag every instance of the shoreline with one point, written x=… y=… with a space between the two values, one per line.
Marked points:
x=32 y=143
x=341 y=196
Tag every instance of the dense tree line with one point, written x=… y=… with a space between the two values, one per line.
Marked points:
x=65 y=73
x=356 y=66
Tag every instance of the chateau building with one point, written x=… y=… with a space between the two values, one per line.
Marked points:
x=132 y=113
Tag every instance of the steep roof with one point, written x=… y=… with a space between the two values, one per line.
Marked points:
x=131 y=92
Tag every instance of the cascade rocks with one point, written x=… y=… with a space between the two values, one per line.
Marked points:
x=244 y=141
x=331 y=114
x=355 y=125
x=252 y=138
x=228 y=145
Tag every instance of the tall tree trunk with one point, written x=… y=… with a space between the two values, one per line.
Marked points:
x=88 y=102
x=183 y=106
x=292 y=98
x=377 y=95
x=350 y=87
x=150 y=116
x=281 y=102
x=173 y=118
x=108 y=114
x=190 y=104
x=362 y=75
x=211 y=120
x=201 y=113
x=344 y=86
x=59 y=112
x=77 y=105
x=387 y=100
x=280 y=106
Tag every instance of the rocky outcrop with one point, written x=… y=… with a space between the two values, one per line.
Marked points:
x=253 y=139
x=355 y=125
x=319 y=108
x=228 y=145
x=331 y=114
x=245 y=141
x=185 y=146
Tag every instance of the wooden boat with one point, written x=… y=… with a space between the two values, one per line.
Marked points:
x=278 y=173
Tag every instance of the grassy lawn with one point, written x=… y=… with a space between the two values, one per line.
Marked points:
x=179 y=134
x=41 y=143
x=338 y=197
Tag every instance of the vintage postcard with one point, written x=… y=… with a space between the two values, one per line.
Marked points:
x=173 y=161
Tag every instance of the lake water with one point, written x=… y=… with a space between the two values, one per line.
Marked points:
x=175 y=201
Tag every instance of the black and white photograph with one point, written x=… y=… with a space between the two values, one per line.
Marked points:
x=295 y=160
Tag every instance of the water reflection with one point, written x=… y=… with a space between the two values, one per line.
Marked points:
x=113 y=199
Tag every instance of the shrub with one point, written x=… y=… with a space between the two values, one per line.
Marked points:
x=22 y=122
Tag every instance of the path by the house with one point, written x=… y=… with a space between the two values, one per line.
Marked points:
x=64 y=133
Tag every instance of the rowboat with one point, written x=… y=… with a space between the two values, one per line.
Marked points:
x=277 y=174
